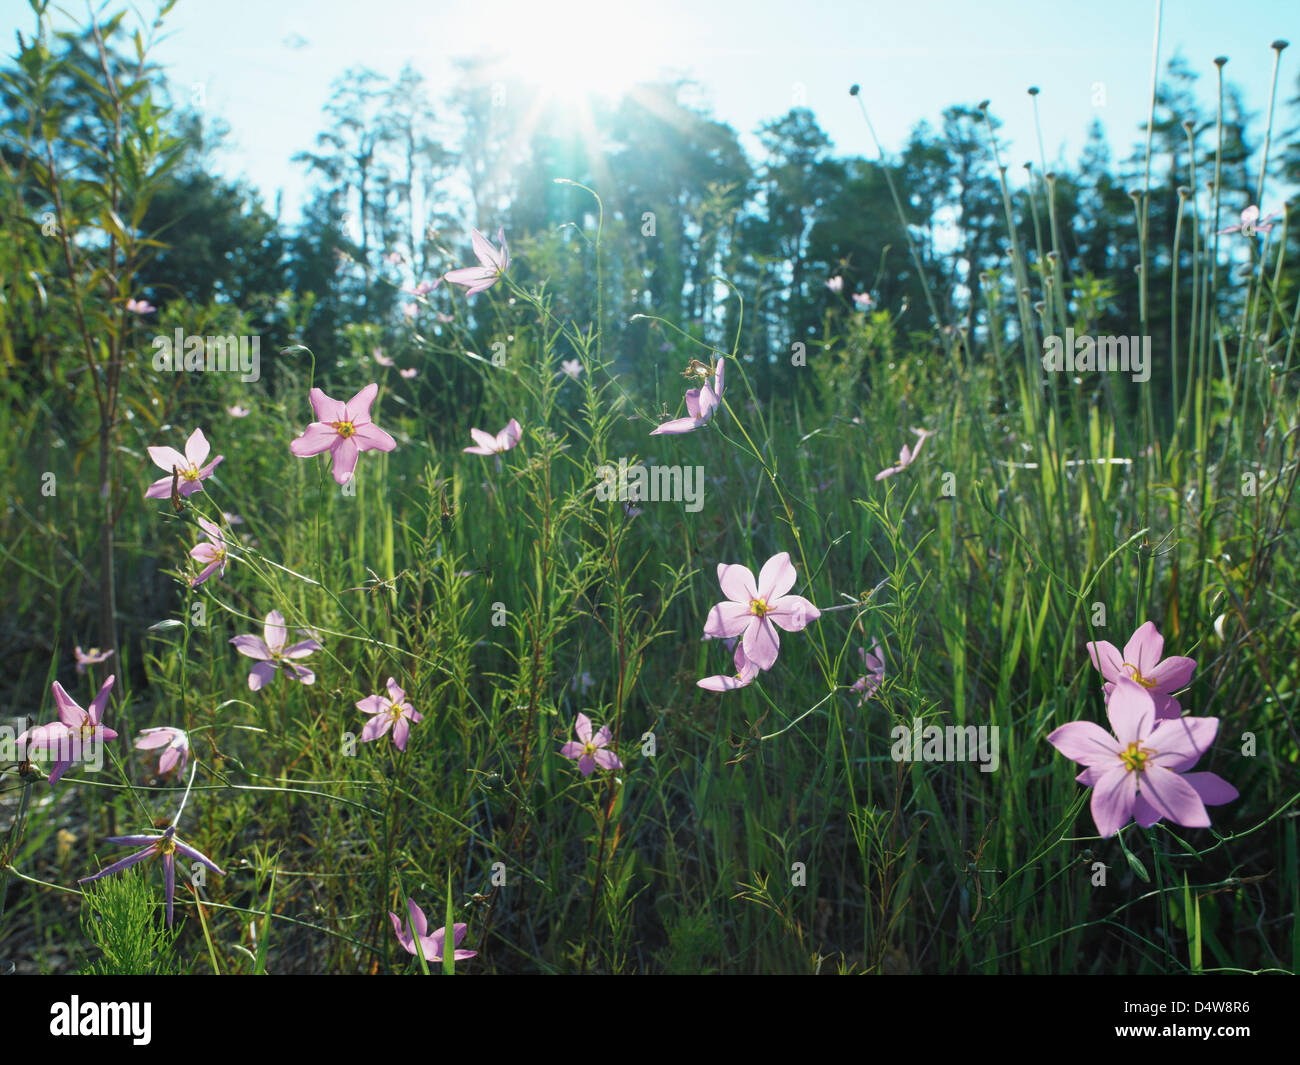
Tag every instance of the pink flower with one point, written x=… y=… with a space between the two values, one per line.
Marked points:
x=1141 y=772
x=90 y=658
x=238 y=411
x=756 y=608
x=410 y=310
x=343 y=429
x=589 y=751
x=378 y=355
x=392 y=713
x=190 y=466
x=423 y=288
x=571 y=367
x=874 y=660
x=1141 y=662
x=863 y=301
x=168 y=845
x=408 y=373
x=701 y=403
x=140 y=306
x=210 y=555
x=492 y=264
x=76 y=729
x=906 y=456
x=272 y=654
x=175 y=744
x=1251 y=223
x=488 y=445
x=745 y=673
x=835 y=284
x=431 y=946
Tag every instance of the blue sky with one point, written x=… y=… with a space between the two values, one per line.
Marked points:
x=265 y=66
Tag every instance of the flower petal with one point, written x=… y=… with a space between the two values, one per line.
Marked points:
x=1086 y=743
x=776 y=577
x=1113 y=797
x=1173 y=797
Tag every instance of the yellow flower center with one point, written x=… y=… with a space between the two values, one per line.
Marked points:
x=167 y=846
x=1133 y=672
x=190 y=473
x=589 y=749
x=758 y=607
x=344 y=429
x=1135 y=757
x=395 y=710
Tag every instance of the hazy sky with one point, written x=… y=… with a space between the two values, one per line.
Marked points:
x=265 y=66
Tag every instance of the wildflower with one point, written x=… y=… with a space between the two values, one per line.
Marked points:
x=701 y=403
x=430 y=945
x=1251 y=223
x=140 y=306
x=343 y=429
x=1141 y=662
x=272 y=654
x=210 y=555
x=378 y=355
x=874 y=660
x=492 y=265
x=423 y=288
x=756 y=608
x=408 y=373
x=90 y=658
x=175 y=743
x=906 y=456
x=1141 y=772
x=410 y=310
x=835 y=284
x=392 y=713
x=745 y=673
x=238 y=412
x=192 y=473
x=76 y=729
x=586 y=680
x=166 y=846
x=572 y=367
x=589 y=751
x=863 y=301
x=488 y=445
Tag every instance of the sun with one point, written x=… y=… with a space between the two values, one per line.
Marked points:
x=576 y=50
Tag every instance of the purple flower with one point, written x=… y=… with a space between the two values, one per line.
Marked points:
x=392 y=713
x=863 y=301
x=590 y=751
x=701 y=403
x=745 y=673
x=431 y=946
x=1141 y=773
x=1251 y=223
x=238 y=411
x=210 y=555
x=408 y=373
x=906 y=456
x=90 y=658
x=757 y=607
x=835 y=284
x=272 y=654
x=175 y=744
x=190 y=467
x=492 y=264
x=168 y=845
x=140 y=306
x=1141 y=662
x=75 y=729
x=874 y=660
x=344 y=430
x=493 y=445
x=571 y=367
x=378 y=355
